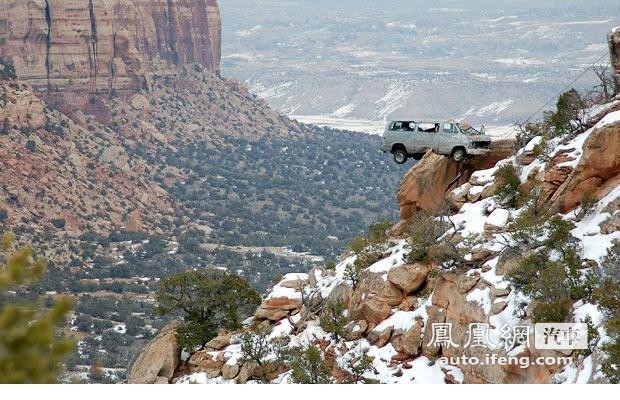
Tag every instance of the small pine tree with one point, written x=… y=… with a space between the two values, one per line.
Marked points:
x=334 y=320
x=7 y=69
x=353 y=270
x=607 y=297
x=256 y=348
x=528 y=226
x=424 y=231
x=559 y=235
x=308 y=367
x=357 y=244
x=377 y=232
x=30 y=352
x=209 y=300
x=611 y=263
x=586 y=205
x=357 y=368
x=568 y=109
x=508 y=182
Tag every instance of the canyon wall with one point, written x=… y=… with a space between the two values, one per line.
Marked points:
x=73 y=51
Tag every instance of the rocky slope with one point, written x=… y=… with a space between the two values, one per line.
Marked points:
x=192 y=172
x=75 y=51
x=392 y=307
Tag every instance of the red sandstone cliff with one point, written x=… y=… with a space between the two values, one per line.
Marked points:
x=72 y=50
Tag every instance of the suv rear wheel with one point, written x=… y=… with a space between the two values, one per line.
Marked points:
x=400 y=156
x=459 y=154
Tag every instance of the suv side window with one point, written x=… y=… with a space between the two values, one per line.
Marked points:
x=408 y=126
x=448 y=128
x=396 y=126
x=428 y=127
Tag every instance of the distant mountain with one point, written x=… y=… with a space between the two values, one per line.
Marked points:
x=484 y=61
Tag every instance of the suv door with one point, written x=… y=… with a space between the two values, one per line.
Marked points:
x=409 y=131
x=426 y=137
x=447 y=138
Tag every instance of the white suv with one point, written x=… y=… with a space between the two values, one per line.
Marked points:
x=409 y=138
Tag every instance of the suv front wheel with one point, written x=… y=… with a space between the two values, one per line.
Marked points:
x=400 y=156
x=459 y=154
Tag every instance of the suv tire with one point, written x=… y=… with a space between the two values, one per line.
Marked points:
x=400 y=156
x=459 y=154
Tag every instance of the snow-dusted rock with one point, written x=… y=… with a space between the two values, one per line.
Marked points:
x=410 y=277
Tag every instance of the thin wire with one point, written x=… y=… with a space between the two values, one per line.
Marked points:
x=606 y=54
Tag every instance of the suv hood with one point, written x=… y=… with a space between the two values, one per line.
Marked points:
x=480 y=138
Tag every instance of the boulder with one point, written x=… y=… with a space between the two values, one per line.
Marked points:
x=372 y=310
x=355 y=330
x=436 y=315
x=410 y=277
x=409 y=303
x=464 y=311
x=498 y=307
x=442 y=291
x=205 y=361
x=294 y=281
x=276 y=308
x=251 y=371
x=159 y=359
x=341 y=293
x=391 y=294
x=380 y=338
x=230 y=371
x=481 y=253
x=500 y=292
x=612 y=224
x=556 y=173
x=219 y=342
x=411 y=341
x=467 y=281
x=373 y=298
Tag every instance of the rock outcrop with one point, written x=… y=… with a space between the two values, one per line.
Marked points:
x=159 y=359
x=596 y=172
x=427 y=182
x=72 y=51
x=613 y=39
